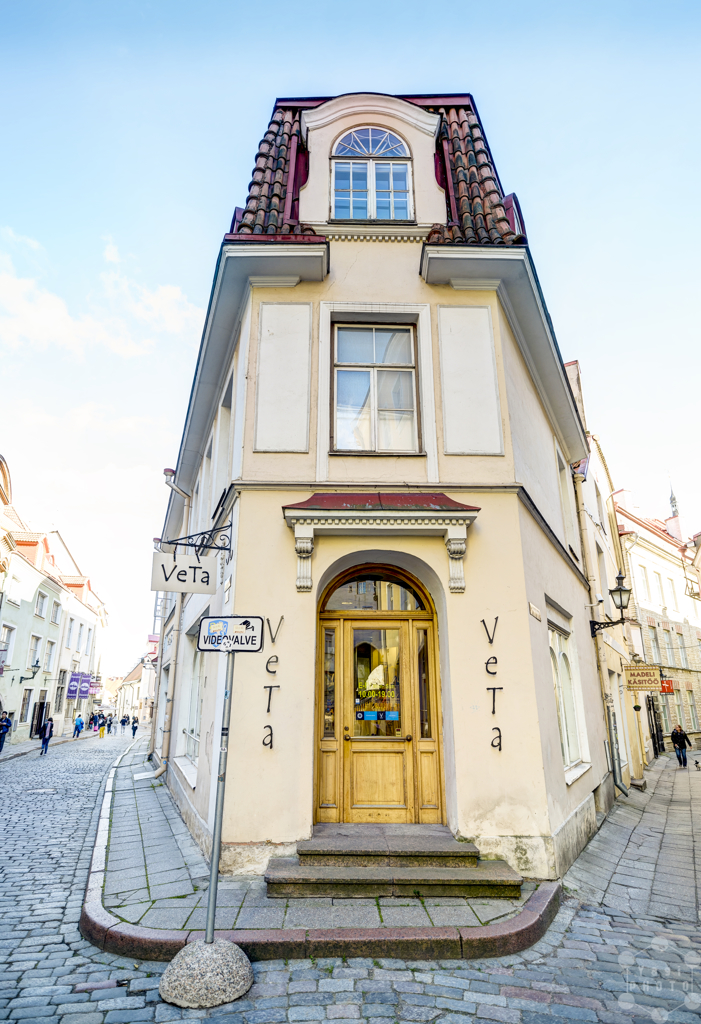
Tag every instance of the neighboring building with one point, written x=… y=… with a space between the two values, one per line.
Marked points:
x=665 y=613
x=135 y=693
x=603 y=555
x=381 y=417
x=50 y=621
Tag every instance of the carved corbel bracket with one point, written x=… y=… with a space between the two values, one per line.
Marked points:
x=304 y=546
x=456 y=543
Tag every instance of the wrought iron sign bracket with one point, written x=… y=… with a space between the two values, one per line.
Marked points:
x=217 y=539
x=596 y=627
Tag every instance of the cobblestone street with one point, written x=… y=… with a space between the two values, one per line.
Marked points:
x=599 y=961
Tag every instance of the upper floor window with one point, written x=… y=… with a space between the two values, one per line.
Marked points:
x=40 y=607
x=375 y=393
x=375 y=182
x=56 y=612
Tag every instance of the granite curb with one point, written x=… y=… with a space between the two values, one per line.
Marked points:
x=112 y=935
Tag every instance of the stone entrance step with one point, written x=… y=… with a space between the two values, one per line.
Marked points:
x=388 y=860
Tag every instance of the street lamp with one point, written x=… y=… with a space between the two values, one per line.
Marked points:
x=620 y=596
x=35 y=668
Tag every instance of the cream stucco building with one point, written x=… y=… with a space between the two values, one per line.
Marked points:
x=381 y=416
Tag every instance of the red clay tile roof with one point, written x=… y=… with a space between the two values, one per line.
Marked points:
x=477 y=211
x=368 y=502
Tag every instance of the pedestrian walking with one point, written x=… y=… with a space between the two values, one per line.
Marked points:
x=109 y=725
x=45 y=734
x=78 y=727
x=124 y=723
x=101 y=723
x=680 y=741
x=134 y=725
x=5 y=727
x=91 y=720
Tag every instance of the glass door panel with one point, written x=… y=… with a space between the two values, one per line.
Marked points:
x=377 y=699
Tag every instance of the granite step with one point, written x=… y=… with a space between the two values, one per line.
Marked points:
x=287 y=877
x=375 y=845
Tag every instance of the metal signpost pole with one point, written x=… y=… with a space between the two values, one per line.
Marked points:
x=219 y=805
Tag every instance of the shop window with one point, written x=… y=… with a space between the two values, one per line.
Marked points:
x=374 y=181
x=375 y=390
x=565 y=698
x=60 y=691
x=665 y=712
x=194 y=718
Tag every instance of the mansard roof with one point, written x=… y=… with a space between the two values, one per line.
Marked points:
x=477 y=210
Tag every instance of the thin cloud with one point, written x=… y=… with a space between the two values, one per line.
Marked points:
x=8 y=235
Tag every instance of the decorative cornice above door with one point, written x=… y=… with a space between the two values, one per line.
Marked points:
x=373 y=514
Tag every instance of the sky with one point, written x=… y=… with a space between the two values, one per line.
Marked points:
x=128 y=136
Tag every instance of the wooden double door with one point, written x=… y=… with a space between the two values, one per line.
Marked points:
x=378 y=707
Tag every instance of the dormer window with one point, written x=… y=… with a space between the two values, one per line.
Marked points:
x=374 y=183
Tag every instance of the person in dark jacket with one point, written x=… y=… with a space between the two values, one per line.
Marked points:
x=134 y=725
x=681 y=741
x=45 y=733
x=5 y=728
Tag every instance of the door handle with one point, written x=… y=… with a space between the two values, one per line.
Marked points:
x=408 y=738
x=347 y=739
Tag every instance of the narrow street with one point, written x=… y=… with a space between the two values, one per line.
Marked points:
x=625 y=948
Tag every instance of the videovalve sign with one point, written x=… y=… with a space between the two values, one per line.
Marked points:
x=231 y=634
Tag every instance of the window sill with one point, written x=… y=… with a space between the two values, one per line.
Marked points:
x=572 y=774
x=380 y=223
x=391 y=455
x=187 y=769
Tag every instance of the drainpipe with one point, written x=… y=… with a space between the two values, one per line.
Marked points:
x=598 y=640
x=172 y=675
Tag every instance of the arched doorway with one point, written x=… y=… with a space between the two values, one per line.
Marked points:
x=378 y=710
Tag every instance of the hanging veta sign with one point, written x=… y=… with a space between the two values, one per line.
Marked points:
x=184 y=574
x=84 y=689
x=231 y=634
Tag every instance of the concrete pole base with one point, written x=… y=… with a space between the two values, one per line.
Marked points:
x=206 y=974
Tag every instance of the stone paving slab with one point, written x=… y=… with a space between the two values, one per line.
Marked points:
x=157 y=880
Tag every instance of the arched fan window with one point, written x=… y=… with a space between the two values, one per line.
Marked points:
x=375 y=183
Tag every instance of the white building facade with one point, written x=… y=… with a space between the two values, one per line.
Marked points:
x=382 y=426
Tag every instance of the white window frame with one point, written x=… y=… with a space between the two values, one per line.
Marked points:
x=25 y=705
x=655 y=645
x=372 y=368
x=693 y=711
x=89 y=640
x=660 y=589
x=679 y=707
x=574 y=762
x=370 y=164
x=49 y=655
x=56 y=613
x=669 y=648
x=12 y=591
x=673 y=591
x=683 y=656
x=32 y=638
x=645 y=582
x=8 y=635
x=44 y=598
x=78 y=645
x=69 y=632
